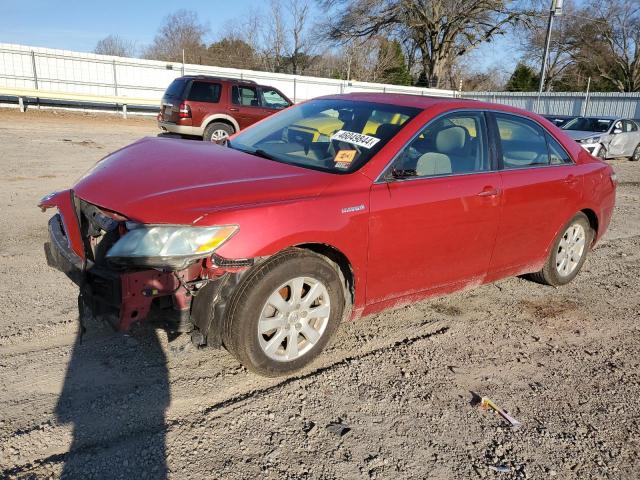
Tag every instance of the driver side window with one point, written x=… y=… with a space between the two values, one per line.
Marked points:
x=450 y=145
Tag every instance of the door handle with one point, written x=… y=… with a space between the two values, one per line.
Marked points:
x=233 y=109
x=489 y=192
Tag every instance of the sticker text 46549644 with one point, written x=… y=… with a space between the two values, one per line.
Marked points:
x=354 y=138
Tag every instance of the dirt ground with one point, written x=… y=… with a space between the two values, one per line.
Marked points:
x=392 y=397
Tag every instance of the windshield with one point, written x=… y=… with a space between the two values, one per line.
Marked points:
x=589 y=124
x=337 y=136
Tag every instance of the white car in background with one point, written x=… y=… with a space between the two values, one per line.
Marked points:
x=606 y=137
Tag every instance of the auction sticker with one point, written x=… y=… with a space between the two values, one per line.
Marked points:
x=345 y=156
x=355 y=138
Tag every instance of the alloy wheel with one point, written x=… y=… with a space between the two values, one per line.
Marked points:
x=570 y=249
x=293 y=319
x=219 y=136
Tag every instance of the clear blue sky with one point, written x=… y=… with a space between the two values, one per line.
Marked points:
x=79 y=24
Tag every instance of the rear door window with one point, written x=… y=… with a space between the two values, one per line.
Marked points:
x=557 y=154
x=204 y=92
x=523 y=142
x=243 y=95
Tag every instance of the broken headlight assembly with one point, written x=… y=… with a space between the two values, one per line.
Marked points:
x=167 y=246
x=589 y=140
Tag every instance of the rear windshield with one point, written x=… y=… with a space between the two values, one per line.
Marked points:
x=176 y=88
x=337 y=136
x=589 y=124
x=204 y=92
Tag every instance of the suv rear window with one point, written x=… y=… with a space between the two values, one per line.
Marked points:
x=176 y=88
x=204 y=92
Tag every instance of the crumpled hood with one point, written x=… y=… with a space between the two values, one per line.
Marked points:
x=580 y=134
x=161 y=180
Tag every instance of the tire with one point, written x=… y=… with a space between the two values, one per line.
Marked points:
x=636 y=154
x=252 y=307
x=602 y=153
x=555 y=272
x=217 y=132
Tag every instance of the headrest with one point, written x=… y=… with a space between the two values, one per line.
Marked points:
x=451 y=139
x=387 y=130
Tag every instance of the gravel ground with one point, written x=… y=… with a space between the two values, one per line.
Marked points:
x=394 y=396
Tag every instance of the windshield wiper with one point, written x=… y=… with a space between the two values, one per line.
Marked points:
x=257 y=152
x=261 y=153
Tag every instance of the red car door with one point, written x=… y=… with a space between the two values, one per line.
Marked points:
x=245 y=105
x=541 y=192
x=436 y=225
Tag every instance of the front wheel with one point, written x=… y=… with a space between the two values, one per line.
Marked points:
x=636 y=154
x=602 y=153
x=284 y=312
x=568 y=253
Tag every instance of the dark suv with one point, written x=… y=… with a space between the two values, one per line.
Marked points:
x=214 y=108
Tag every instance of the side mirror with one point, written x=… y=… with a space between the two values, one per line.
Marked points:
x=617 y=131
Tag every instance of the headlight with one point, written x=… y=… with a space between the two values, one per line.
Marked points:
x=160 y=246
x=590 y=140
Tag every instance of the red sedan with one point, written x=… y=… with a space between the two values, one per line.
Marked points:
x=332 y=209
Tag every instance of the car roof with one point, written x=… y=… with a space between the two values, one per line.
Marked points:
x=604 y=117
x=423 y=102
x=219 y=79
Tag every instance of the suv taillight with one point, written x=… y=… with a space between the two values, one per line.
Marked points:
x=185 y=111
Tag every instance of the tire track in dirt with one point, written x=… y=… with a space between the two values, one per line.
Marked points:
x=219 y=408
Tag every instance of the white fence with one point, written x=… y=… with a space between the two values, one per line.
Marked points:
x=626 y=105
x=24 y=67
x=143 y=81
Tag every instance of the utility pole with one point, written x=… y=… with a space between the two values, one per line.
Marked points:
x=556 y=9
x=586 y=99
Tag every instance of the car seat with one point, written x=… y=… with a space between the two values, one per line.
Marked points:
x=450 y=146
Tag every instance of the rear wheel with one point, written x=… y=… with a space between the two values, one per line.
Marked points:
x=568 y=253
x=218 y=132
x=636 y=154
x=284 y=313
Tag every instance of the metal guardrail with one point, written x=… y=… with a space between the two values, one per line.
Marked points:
x=22 y=94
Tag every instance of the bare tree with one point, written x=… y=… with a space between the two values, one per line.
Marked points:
x=116 y=46
x=441 y=29
x=300 y=47
x=620 y=38
x=180 y=30
x=275 y=40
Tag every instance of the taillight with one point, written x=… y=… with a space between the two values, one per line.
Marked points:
x=185 y=111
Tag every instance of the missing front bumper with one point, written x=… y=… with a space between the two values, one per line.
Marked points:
x=123 y=298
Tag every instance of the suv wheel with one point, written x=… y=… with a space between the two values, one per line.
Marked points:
x=284 y=312
x=218 y=132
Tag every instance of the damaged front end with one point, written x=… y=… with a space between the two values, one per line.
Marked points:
x=130 y=272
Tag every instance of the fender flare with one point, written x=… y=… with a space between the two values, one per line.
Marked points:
x=220 y=116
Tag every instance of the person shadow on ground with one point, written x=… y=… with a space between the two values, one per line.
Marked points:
x=115 y=394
